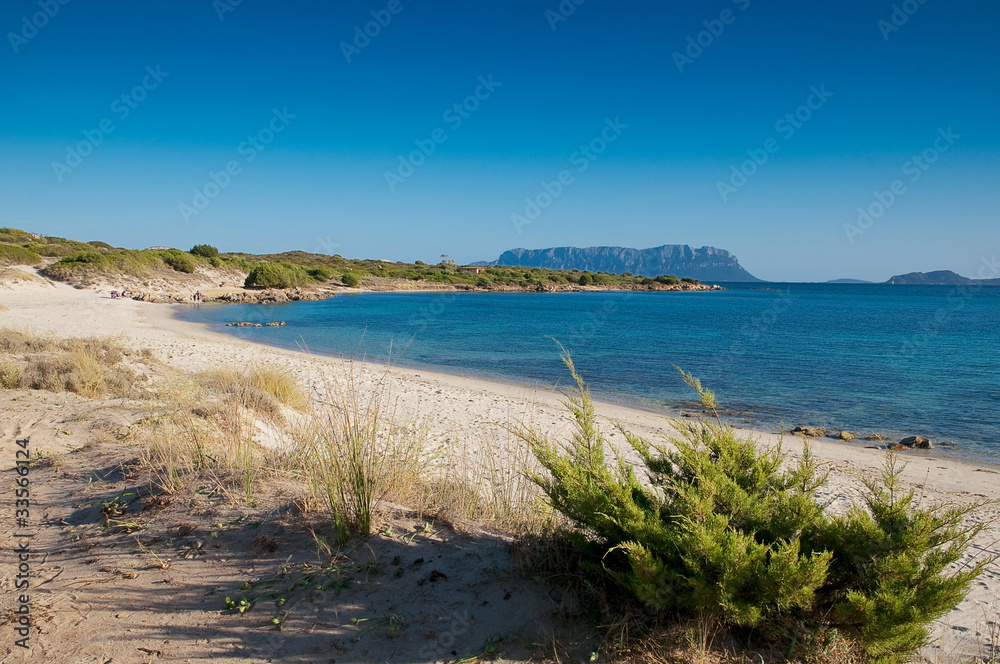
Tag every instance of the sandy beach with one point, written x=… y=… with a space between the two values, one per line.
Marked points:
x=451 y=405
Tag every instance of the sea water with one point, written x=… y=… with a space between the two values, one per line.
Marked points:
x=895 y=360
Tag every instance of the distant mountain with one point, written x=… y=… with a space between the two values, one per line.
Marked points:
x=848 y=281
x=704 y=264
x=937 y=278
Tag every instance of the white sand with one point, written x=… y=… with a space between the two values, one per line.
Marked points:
x=453 y=405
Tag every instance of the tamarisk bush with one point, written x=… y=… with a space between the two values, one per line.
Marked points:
x=735 y=536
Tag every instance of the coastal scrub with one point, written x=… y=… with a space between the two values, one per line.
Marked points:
x=733 y=536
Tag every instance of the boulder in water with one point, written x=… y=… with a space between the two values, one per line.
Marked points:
x=811 y=432
x=918 y=442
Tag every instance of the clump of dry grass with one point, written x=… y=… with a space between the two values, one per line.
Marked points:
x=90 y=367
x=263 y=389
x=695 y=643
x=212 y=424
x=360 y=453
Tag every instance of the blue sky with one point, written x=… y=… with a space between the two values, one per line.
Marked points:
x=349 y=144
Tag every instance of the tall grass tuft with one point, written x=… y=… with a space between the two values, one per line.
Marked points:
x=358 y=453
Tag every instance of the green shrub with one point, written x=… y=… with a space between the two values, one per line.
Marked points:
x=668 y=279
x=268 y=275
x=16 y=236
x=87 y=257
x=647 y=282
x=119 y=261
x=179 y=261
x=483 y=282
x=204 y=250
x=321 y=274
x=57 y=246
x=12 y=254
x=889 y=577
x=584 y=279
x=215 y=261
x=689 y=280
x=734 y=535
x=350 y=279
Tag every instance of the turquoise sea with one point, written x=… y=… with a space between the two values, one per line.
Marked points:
x=897 y=360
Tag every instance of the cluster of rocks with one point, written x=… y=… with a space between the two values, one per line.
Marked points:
x=245 y=324
x=271 y=295
x=908 y=443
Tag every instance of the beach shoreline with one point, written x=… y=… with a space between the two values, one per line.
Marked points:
x=157 y=324
x=772 y=418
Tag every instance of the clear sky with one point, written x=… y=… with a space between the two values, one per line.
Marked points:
x=621 y=123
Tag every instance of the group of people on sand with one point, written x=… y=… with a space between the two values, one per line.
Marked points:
x=129 y=295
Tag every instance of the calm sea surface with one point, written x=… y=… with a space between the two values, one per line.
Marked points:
x=897 y=360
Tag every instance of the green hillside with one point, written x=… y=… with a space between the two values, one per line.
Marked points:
x=77 y=260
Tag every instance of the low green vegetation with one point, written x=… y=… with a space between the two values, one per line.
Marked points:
x=12 y=254
x=180 y=261
x=292 y=269
x=284 y=275
x=95 y=263
x=204 y=250
x=734 y=537
x=447 y=273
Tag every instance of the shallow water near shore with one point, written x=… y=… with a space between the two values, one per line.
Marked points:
x=896 y=360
